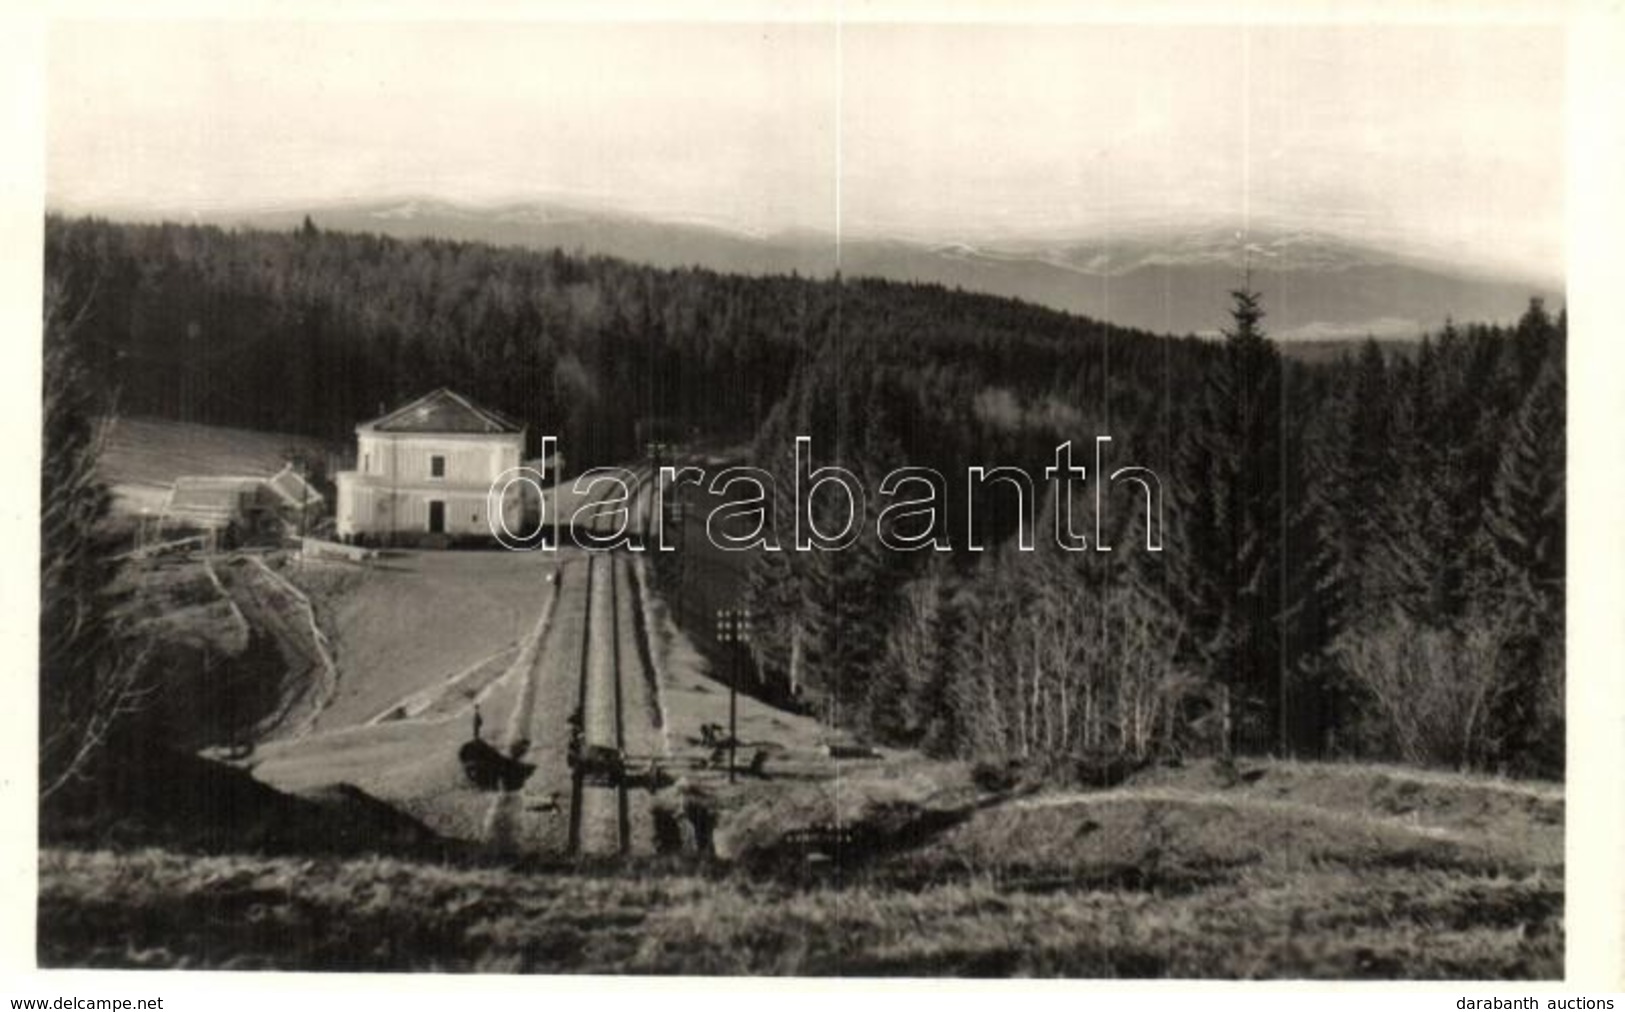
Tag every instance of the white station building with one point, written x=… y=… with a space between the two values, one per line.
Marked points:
x=424 y=472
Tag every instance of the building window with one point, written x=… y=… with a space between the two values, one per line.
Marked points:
x=437 y=466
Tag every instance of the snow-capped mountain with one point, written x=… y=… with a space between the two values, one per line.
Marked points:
x=1166 y=279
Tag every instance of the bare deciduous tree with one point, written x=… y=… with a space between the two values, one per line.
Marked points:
x=1430 y=688
x=88 y=669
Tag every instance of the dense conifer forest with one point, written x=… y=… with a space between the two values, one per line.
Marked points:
x=1362 y=557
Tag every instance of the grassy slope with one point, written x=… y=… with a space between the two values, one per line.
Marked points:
x=416 y=619
x=1134 y=882
x=231 y=662
x=144 y=456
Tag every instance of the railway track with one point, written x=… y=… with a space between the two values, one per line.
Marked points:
x=590 y=675
x=619 y=704
x=600 y=809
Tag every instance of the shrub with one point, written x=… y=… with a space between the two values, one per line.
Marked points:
x=1428 y=690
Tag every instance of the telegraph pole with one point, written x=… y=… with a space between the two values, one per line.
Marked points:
x=663 y=513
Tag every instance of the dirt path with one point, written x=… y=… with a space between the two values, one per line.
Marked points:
x=1242 y=803
x=1431 y=778
x=1414 y=823
x=287 y=619
x=453 y=697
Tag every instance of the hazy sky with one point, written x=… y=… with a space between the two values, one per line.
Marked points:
x=1450 y=138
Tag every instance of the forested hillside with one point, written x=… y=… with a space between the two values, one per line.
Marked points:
x=1362 y=558
x=312 y=332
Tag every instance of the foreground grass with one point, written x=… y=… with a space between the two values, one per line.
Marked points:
x=1135 y=883
x=1270 y=870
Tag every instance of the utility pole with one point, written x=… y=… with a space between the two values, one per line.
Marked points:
x=676 y=512
x=663 y=513
x=733 y=628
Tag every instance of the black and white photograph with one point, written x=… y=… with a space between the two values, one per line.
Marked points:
x=830 y=492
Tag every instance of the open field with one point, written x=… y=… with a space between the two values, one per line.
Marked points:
x=413 y=622
x=144 y=456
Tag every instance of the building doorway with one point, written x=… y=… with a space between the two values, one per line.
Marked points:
x=437 y=517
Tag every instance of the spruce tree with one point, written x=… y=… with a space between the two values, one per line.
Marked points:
x=1231 y=483
x=1524 y=527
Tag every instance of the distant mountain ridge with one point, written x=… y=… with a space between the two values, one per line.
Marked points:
x=1168 y=280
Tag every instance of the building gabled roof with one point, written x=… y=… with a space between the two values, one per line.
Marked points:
x=444 y=411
